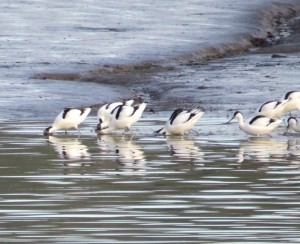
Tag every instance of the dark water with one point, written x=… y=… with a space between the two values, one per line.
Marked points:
x=219 y=186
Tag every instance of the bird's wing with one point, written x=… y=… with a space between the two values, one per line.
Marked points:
x=71 y=113
x=261 y=121
x=123 y=111
x=180 y=117
x=269 y=106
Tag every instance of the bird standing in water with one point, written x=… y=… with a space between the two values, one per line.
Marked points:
x=259 y=125
x=121 y=117
x=181 y=121
x=293 y=124
x=106 y=109
x=69 y=118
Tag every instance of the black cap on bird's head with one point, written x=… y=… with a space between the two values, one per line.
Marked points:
x=234 y=115
x=289 y=124
x=98 y=127
x=291 y=118
x=47 y=131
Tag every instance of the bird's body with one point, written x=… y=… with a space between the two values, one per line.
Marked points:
x=293 y=124
x=273 y=109
x=292 y=94
x=106 y=109
x=69 y=118
x=181 y=121
x=276 y=109
x=121 y=117
x=259 y=125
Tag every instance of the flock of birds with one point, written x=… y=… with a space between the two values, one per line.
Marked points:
x=122 y=115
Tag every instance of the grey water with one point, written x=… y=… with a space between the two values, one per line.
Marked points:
x=215 y=187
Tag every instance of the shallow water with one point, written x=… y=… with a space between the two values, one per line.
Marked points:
x=217 y=186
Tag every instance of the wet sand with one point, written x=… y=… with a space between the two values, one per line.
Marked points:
x=220 y=85
x=37 y=83
x=242 y=82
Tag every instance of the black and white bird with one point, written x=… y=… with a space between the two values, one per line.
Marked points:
x=181 y=121
x=273 y=109
x=69 y=118
x=276 y=109
x=259 y=125
x=292 y=94
x=121 y=117
x=106 y=109
x=293 y=124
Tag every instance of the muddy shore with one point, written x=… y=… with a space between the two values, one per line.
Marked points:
x=264 y=68
x=239 y=75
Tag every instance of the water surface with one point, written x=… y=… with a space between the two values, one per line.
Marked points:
x=217 y=186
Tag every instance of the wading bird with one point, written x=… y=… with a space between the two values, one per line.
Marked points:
x=121 y=117
x=292 y=94
x=69 y=118
x=259 y=125
x=293 y=124
x=106 y=109
x=181 y=121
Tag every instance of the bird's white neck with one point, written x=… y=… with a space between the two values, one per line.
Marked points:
x=240 y=119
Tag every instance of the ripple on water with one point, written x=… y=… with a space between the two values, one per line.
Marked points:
x=146 y=188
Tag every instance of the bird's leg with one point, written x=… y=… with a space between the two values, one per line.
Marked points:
x=286 y=131
x=197 y=133
x=78 y=132
x=284 y=122
x=127 y=130
x=66 y=132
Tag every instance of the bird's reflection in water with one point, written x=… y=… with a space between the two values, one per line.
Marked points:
x=184 y=149
x=262 y=149
x=128 y=154
x=294 y=146
x=70 y=149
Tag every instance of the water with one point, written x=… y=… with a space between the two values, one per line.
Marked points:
x=146 y=188
x=216 y=187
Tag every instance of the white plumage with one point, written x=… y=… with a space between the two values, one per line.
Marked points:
x=293 y=124
x=273 y=109
x=121 y=117
x=292 y=94
x=105 y=110
x=276 y=109
x=69 y=118
x=259 y=125
x=181 y=121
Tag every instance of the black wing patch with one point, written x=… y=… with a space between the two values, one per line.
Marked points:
x=119 y=108
x=271 y=121
x=175 y=114
x=263 y=105
x=288 y=94
x=256 y=118
x=191 y=116
x=66 y=110
x=82 y=110
x=135 y=108
x=276 y=105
